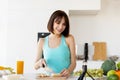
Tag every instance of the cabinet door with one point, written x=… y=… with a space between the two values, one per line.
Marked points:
x=84 y=5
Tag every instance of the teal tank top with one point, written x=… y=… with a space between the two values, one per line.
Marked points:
x=57 y=58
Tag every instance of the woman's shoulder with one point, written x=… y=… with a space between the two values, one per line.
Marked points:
x=70 y=38
x=41 y=41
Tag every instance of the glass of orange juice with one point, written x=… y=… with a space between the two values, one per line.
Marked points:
x=20 y=67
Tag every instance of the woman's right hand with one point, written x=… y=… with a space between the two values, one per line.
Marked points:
x=40 y=63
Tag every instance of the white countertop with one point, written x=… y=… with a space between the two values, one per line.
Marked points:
x=33 y=77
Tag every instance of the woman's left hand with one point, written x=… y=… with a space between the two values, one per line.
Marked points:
x=65 y=73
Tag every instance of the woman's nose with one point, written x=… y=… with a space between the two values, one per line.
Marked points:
x=60 y=26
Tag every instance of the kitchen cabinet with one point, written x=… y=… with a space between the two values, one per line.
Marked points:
x=84 y=7
x=73 y=6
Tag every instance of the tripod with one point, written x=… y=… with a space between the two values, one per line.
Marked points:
x=84 y=66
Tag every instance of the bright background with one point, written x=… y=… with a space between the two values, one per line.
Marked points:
x=21 y=20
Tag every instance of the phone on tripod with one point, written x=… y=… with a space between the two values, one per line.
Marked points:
x=84 y=66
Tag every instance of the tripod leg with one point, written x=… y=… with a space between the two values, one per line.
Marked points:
x=82 y=76
x=84 y=67
x=90 y=76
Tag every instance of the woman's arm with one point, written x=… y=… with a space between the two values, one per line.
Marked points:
x=71 y=44
x=38 y=59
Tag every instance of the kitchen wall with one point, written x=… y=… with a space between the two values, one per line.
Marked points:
x=25 y=19
x=3 y=31
x=20 y=20
x=102 y=27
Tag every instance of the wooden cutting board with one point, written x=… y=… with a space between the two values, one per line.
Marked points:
x=51 y=78
x=99 y=51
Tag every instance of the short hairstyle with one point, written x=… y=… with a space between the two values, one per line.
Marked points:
x=58 y=15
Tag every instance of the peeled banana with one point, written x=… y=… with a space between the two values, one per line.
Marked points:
x=7 y=68
x=2 y=68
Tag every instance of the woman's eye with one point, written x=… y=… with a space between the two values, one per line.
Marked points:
x=58 y=22
x=64 y=24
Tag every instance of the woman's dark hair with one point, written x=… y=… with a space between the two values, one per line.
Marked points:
x=58 y=15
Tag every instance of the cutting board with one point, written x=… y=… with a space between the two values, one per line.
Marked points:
x=51 y=78
x=99 y=51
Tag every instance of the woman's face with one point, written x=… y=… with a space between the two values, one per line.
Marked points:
x=59 y=26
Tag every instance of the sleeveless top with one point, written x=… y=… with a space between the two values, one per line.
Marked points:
x=57 y=58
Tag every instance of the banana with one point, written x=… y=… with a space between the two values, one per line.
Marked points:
x=2 y=68
x=7 y=68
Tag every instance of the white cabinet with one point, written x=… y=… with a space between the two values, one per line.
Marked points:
x=72 y=6
x=84 y=7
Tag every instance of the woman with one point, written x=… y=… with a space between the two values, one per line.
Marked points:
x=59 y=47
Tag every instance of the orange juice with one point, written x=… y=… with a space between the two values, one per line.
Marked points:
x=20 y=67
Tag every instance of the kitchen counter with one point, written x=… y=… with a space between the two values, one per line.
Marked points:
x=34 y=77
